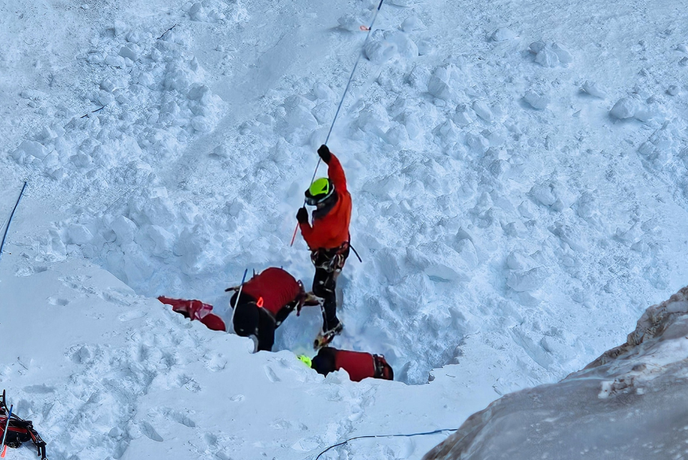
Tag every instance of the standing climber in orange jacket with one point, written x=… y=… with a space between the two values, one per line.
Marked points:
x=327 y=238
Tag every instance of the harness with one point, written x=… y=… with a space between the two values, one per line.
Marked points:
x=379 y=362
x=18 y=430
x=332 y=259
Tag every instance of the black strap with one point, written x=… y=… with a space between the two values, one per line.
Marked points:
x=355 y=252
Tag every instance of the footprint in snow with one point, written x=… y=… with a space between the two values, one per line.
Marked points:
x=131 y=315
x=56 y=301
x=271 y=374
x=28 y=271
x=148 y=430
x=176 y=416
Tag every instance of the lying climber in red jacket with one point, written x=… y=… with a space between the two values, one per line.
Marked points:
x=358 y=365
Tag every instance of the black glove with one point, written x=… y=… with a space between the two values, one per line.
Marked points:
x=302 y=216
x=324 y=153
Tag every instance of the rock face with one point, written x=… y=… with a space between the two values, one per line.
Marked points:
x=631 y=403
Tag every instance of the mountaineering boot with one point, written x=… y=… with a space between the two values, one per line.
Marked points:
x=325 y=337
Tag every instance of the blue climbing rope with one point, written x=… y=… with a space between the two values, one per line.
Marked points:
x=4 y=237
x=425 y=433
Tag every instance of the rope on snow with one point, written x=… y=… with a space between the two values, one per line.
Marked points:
x=346 y=90
x=10 y=219
x=385 y=436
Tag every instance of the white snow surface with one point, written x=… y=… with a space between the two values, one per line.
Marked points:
x=520 y=192
x=630 y=403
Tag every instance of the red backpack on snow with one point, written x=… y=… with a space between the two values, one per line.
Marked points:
x=19 y=430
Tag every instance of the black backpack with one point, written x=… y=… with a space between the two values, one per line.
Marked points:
x=19 y=430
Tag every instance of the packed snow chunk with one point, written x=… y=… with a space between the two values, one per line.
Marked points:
x=537 y=46
x=543 y=194
x=413 y=125
x=503 y=34
x=624 y=108
x=442 y=273
x=441 y=82
x=550 y=55
x=155 y=240
x=412 y=23
x=483 y=111
x=462 y=116
x=199 y=92
x=115 y=61
x=405 y=46
x=396 y=135
x=426 y=46
x=563 y=55
x=536 y=101
x=29 y=149
x=124 y=229
x=518 y=261
x=379 y=50
x=203 y=12
x=128 y=52
x=477 y=143
x=527 y=280
x=645 y=114
x=79 y=234
x=351 y=23
x=570 y=235
x=447 y=133
x=592 y=89
x=201 y=124
x=547 y=58
x=323 y=92
x=673 y=90
x=466 y=250
x=664 y=144
x=298 y=113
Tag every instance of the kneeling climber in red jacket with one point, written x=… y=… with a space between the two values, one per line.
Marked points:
x=264 y=303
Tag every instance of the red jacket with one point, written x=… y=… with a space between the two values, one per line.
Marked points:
x=277 y=288
x=359 y=365
x=331 y=230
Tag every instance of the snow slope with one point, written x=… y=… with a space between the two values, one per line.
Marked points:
x=629 y=403
x=106 y=373
x=518 y=172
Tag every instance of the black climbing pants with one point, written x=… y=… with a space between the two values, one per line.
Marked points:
x=328 y=264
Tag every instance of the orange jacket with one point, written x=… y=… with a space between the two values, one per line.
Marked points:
x=331 y=230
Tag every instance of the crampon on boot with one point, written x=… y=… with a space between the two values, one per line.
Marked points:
x=324 y=338
x=19 y=430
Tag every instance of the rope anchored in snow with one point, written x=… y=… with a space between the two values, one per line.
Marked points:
x=425 y=433
x=2 y=245
x=346 y=90
x=339 y=107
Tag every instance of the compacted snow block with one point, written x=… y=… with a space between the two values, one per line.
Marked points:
x=502 y=34
x=624 y=108
x=536 y=100
x=631 y=402
x=550 y=55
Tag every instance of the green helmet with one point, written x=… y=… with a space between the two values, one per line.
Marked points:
x=305 y=360
x=319 y=191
